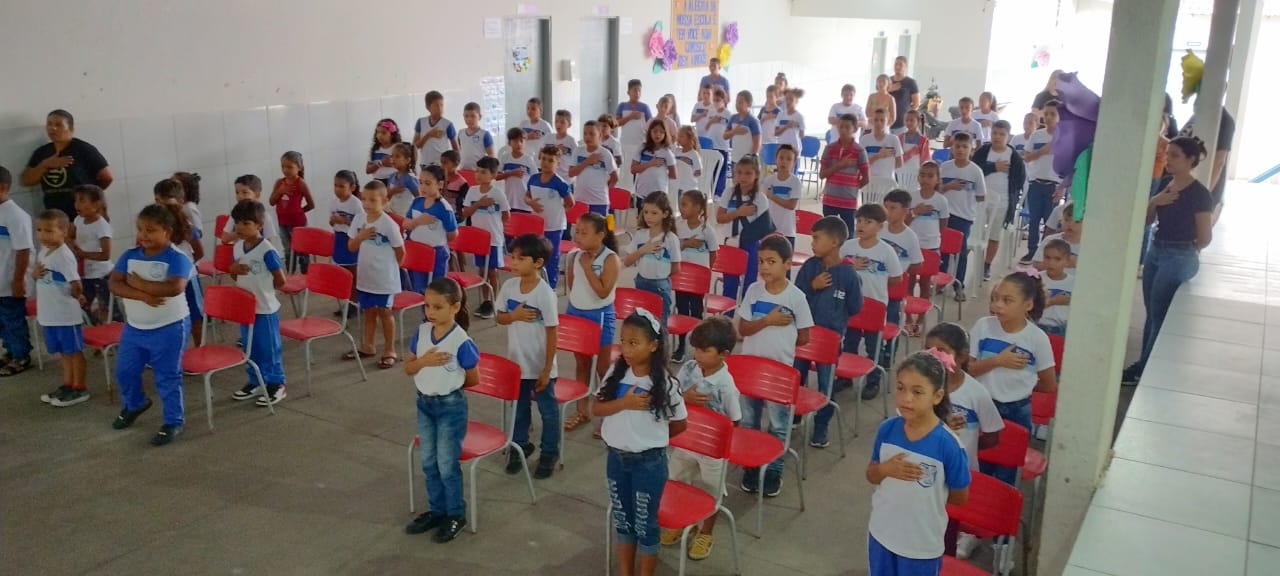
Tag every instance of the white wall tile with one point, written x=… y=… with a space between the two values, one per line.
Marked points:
x=107 y=137
x=362 y=116
x=150 y=146
x=401 y=109
x=246 y=135
x=16 y=146
x=141 y=193
x=328 y=125
x=289 y=129
x=216 y=193
x=201 y=140
x=321 y=167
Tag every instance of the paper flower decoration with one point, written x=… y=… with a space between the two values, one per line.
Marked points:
x=1192 y=72
x=731 y=33
x=657 y=66
x=1040 y=59
x=725 y=52
x=668 y=55
x=656 y=41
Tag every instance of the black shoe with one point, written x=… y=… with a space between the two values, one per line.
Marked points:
x=247 y=392
x=450 y=529
x=166 y=435
x=424 y=523
x=1026 y=260
x=677 y=355
x=514 y=462
x=546 y=465
x=750 y=480
x=1131 y=375
x=772 y=484
x=986 y=272
x=126 y=417
x=842 y=384
x=485 y=310
x=870 y=390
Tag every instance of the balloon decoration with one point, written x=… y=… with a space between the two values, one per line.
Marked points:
x=1192 y=72
x=1078 y=121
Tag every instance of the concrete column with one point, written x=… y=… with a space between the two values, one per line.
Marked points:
x=1247 y=30
x=1213 y=86
x=1120 y=180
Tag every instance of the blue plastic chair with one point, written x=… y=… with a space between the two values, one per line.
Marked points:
x=769 y=154
x=808 y=168
x=941 y=155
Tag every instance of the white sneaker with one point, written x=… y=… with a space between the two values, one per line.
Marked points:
x=275 y=399
x=965 y=543
x=1042 y=433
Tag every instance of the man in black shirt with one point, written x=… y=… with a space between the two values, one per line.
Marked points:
x=905 y=92
x=64 y=163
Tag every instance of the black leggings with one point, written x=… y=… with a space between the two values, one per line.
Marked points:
x=688 y=305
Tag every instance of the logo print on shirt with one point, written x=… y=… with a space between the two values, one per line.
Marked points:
x=930 y=476
x=157 y=270
x=991 y=347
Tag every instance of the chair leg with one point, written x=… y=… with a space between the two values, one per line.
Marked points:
x=306 y=359
x=263 y=388
x=471 y=502
x=208 y=398
x=35 y=332
x=684 y=546
x=733 y=539
x=355 y=349
x=608 y=539
x=528 y=476
x=564 y=442
x=760 y=503
x=411 y=491
x=800 y=488
x=840 y=427
x=106 y=368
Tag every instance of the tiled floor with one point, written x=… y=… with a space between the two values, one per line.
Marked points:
x=1193 y=488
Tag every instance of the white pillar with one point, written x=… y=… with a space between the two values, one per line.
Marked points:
x=1120 y=180
x=1247 y=30
x=1213 y=85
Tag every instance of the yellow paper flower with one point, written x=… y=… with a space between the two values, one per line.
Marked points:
x=725 y=51
x=1192 y=72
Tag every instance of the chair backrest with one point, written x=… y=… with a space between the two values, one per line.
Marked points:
x=329 y=280
x=399 y=220
x=692 y=279
x=941 y=155
x=499 y=378
x=730 y=261
x=619 y=199
x=626 y=300
x=419 y=257
x=472 y=240
x=230 y=303
x=932 y=263
x=765 y=379
x=1012 y=449
x=871 y=317
x=823 y=346
x=709 y=433
x=898 y=291
x=520 y=224
x=223 y=257
x=769 y=154
x=1044 y=406
x=993 y=506
x=712 y=162
x=575 y=212
x=952 y=242
x=805 y=221
x=1059 y=345
x=312 y=241
x=220 y=223
x=577 y=335
x=809 y=146
x=468 y=176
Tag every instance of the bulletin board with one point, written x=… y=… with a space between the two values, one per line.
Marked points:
x=695 y=30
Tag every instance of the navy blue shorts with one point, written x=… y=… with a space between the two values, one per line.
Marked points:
x=495 y=258
x=605 y=317
x=367 y=300
x=342 y=256
x=63 y=339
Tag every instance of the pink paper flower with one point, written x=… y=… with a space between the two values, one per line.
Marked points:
x=731 y=33
x=656 y=43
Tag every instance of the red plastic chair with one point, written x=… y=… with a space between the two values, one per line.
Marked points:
x=915 y=305
x=1059 y=346
x=770 y=381
x=468 y=176
x=398 y=219
x=105 y=337
x=693 y=280
x=500 y=379
x=231 y=304
x=619 y=205
x=854 y=366
x=625 y=303
x=313 y=242
x=1011 y=452
x=952 y=247
x=823 y=348
x=329 y=280
x=952 y=566
x=223 y=257
x=576 y=336
x=220 y=223
x=520 y=224
x=805 y=221
x=418 y=257
x=476 y=242
x=730 y=261
x=993 y=511
x=33 y=328
x=897 y=293
x=571 y=215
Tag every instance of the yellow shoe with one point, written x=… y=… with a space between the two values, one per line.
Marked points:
x=669 y=537
x=700 y=548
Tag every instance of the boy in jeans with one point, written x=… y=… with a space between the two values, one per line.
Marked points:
x=878 y=266
x=15 y=255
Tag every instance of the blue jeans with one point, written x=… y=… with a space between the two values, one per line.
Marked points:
x=779 y=424
x=636 y=481
x=1039 y=206
x=855 y=340
x=826 y=375
x=1146 y=230
x=964 y=226
x=13 y=327
x=661 y=287
x=442 y=423
x=266 y=349
x=548 y=409
x=1168 y=266
x=552 y=265
x=161 y=348
x=1018 y=412
x=848 y=215
x=731 y=283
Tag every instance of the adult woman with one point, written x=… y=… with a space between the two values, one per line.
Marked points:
x=881 y=98
x=1183 y=210
x=64 y=163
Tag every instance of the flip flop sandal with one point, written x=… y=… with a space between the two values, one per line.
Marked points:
x=15 y=367
x=575 y=421
x=388 y=362
x=352 y=355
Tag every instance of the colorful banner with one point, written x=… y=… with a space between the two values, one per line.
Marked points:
x=695 y=29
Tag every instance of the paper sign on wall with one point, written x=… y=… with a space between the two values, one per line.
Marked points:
x=520 y=58
x=492 y=27
x=695 y=29
x=493 y=100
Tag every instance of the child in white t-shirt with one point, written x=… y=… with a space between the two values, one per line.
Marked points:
x=431 y=221
x=743 y=129
x=607 y=124
x=904 y=243
x=986 y=114
x=965 y=124
x=187 y=240
x=259 y=270
x=92 y=233
x=782 y=189
x=592 y=274
x=790 y=127
x=688 y=160
x=342 y=211
x=486 y=206
x=516 y=167
x=699 y=243
x=1059 y=281
x=433 y=133
x=380 y=247
x=474 y=142
x=915 y=150
x=249 y=187
x=537 y=132
x=929 y=216
x=965 y=187
x=58 y=300
x=655 y=250
x=1029 y=124
x=564 y=143
x=884 y=151
x=878 y=266
x=15 y=256
x=846 y=105
x=593 y=170
x=654 y=166
x=768 y=115
x=549 y=196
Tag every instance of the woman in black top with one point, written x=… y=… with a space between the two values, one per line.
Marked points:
x=1183 y=213
x=64 y=163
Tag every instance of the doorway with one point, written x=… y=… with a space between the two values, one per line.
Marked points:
x=598 y=68
x=526 y=66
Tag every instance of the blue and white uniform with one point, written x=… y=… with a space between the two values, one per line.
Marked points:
x=431 y=150
x=980 y=415
x=378 y=275
x=435 y=235
x=591 y=185
x=928 y=226
x=154 y=336
x=883 y=264
x=516 y=186
x=489 y=218
x=442 y=414
x=263 y=262
x=342 y=255
x=57 y=311
x=550 y=193
x=472 y=146
x=654 y=178
x=784 y=219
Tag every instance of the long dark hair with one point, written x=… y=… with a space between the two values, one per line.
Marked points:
x=924 y=364
x=754 y=162
x=599 y=223
x=659 y=402
x=650 y=145
x=190 y=185
x=660 y=199
x=1030 y=287
x=393 y=128
x=453 y=294
x=350 y=178
x=170 y=189
x=955 y=337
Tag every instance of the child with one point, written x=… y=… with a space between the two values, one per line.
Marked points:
x=564 y=143
x=768 y=116
x=341 y=214
x=607 y=124
x=516 y=168
x=475 y=142
x=1030 y=122
x=782 y=188
x=986 y=114
x=915 y=150
x=1013 y=356
x=878 y=266
x=688 y=160
x=973 y=415
x=550 y=196
x=403 y=186
x=249 y=187
x=701 y=108
x=1058 y=283
x=537 y=131
x=442 y=360
x=773 y=319
x=379 y=246
x=258 y=269
x=965 y=124
x=964 y=187
x=292 y=198
x=845 y=167
x=705 y=381
x=592 y=275
x=905 y=245
x=1072 y=233
x=930 y=213
x=58 y=296
x=743 y=129
x=1004 y=175
x=918 y=467
x=593 y=170
x=834 y=294
x=746 y=209
x=884 y=151
x=846 y=106
x=488 y=210
x=431 y=221
x=170 y=193
x=455 y=186
x=882 y=100
x=433 y=134
x=655 y=250
x=92 y=233
x=713 y=126
x=699 y=243
x=1043 y=181
x=790 y=128
x=527 y=307
x=642 y=409
x=385 y=135
x=667 y=114
x=150 y=279
x=632 y=118
x=654 y=166
x=190 y=182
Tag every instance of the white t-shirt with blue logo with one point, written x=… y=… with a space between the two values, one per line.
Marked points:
x=516 y=187
x=774 y=342
x=909 y=518
x=1041 y=168
x=382 y=172
x=986 y=120
x=566 y=144
x=592 y=184
x=463 y=356
x=688 y=166
x=1056 y=316
x=435 y=234
x=89 y=237
x=346 y=208
x=472 y=147
x=883 y=264
x=904 y=244
x=379 y=271
x=964 y=202
x=768 y=124
x=639 y=430
x=980 y=416
x=432 y=148
x=536 y=135
x=271 y=228
x=723 y=396
x=784 y=219
x=551 y=195
x=168 y=263
x=656 y=265
x=740 y=144
x=988 y=339
x=884 y=168
x=839 y=109
x=794 y=122
x=55 y=306
x=489 y=218
x=973 y=128
x=15 y=235
x=654 y=178
x=928 y=226
x=527 y=341
x=1018 y=142
x=704 y=232
x=262 y=260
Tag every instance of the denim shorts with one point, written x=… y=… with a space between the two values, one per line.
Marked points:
x=605 y=317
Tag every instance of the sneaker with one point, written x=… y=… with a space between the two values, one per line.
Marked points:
x=127 y=416
x=700 y=548
x=425 y=522
x=1131 y=375
x=69 y=397
x=670 y=537
x=450 y=529
x=247 y=393
x=677 y=355
x=958 y=289
x=772 y=484
x=1026 y=260
x=514 y=462
x=47 y=398
x=819 y=441
x=274 y=396
x=546 y=465
x=750 y=480
x=842 y=384
x=485 y=310
x=870 y=390
x=965 y=543
x=166 y=435
x=986 y=272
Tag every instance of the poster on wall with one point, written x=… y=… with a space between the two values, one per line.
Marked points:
x=493 y=98
x=695 y=29
x=520 y=59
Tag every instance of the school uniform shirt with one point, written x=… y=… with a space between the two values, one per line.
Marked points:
x=1041 y=168
x=740 y=144
x=713 y=126
x=884 y=264
x=432 y=148
x=704 y=232
x=566 y=144
x=972 y=128
x=435 y=234
x=767 y=125
x=383 y=172
x=55 y=306
x=730 y=202
x=592 y=184
x=89 y=237
x=986 y=120
x=1054 y=221
x=516 y=187
x=909 y=517
x=928 y=226
x=536 y=135
x=262 y=260
x=839 y=109
x=774 y=342
x=980 y=416
x=633 y=132
x=379 y=272
x=904 y=244
x=964 y=202
x=346 y=208
x=688 y=164
x=271 y=229
x=1057 y=315
x=832 y=306
x=551 y=194
x=1039 y=255
x=400 y=202
x=882 y=169
x=192 y=210
x=614 y=147
x=581 y=295
x=656 y=265
x=998 y=182
x=527 y=341
x=654 y=178
x=463 y=356
x=722 y=393
x=784 y=219
x=1018 y=142
x=988 y=339
x=472 y=146
x=638 y=430
x=488 y=218
x=915 y=151
x=168 y=263
x=794 y=122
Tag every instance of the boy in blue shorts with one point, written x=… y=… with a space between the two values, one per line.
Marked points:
x=59 y=295
x=488 y=208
